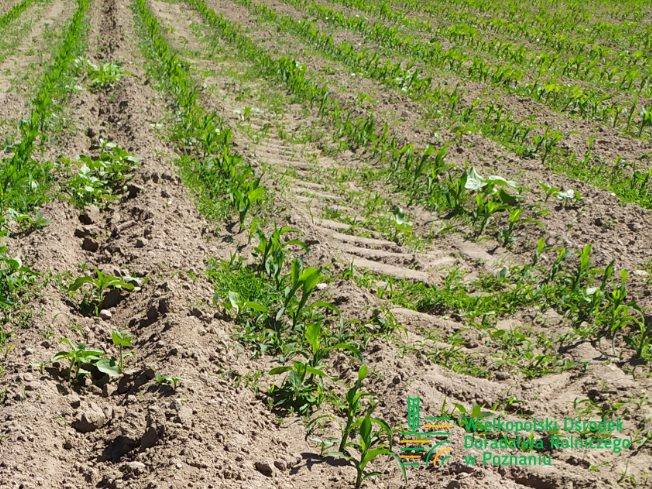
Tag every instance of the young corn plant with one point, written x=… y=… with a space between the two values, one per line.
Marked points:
x=271 y=251
x=305 y=279
x=369 y=444
x=506 y=235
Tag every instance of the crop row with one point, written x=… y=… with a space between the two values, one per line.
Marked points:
x=22 y=178
x=539 y=30
x=575 y=22
x=24 y=181
x=208 y=159
x=286 y=319
x=558 y=96
x=278 y=313
x=623 y=178
x=626 y=71
x=14 y=12
x=419 y=170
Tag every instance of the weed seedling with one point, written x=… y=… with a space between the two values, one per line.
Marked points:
x=99 y=285
x=79 y=356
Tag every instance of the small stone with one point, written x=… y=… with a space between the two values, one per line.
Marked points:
x=598 y=221
x=106 y=315
x=135 y=467
x=397 y=380
x=265 y=468
x=640 y=273
x=90 y=244
x=84 y=231
x=123 y=227
x=280 y=465
x=108 y=390
x=502 y=376
x=28 y=351
x=90 y=420
x=634 y=226
x=141 y=243
x=91 y=215
x=74 y=401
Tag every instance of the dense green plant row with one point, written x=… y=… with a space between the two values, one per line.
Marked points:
x=622 y=178
x=628 y=72
x=15 y=11
x=23 y=179
x=560 y=97
x=488 y=196
x=276 y=314
x=594 y=301
x=529 y=26
x=578 y=21
x=208 y=159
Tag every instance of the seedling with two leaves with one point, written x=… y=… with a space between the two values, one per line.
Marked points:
x=98 y=286
x=565 y=196
x=162 y=379
x=112 y=366
x=79 y=358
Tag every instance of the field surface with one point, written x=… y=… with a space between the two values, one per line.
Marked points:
x=240 y=239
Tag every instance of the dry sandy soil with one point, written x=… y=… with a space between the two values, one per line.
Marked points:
x=217 y=428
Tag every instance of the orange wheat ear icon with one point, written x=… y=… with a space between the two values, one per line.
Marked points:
x=412 y=455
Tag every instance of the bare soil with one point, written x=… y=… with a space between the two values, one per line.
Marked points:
x=216 y=429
